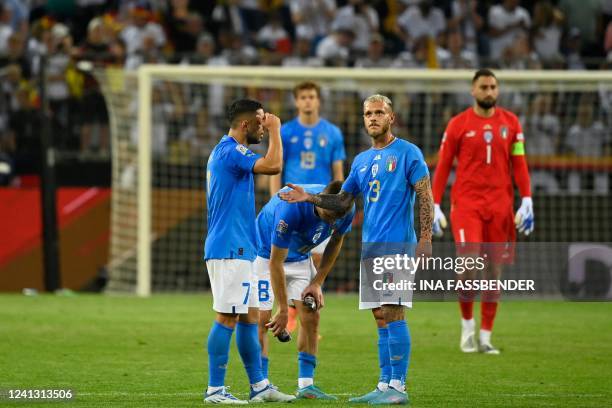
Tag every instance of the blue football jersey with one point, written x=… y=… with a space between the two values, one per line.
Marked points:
x=295 y=226
x=230 y=197
x=386 y=177
x=308 y=152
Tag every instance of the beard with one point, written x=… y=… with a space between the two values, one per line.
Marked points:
x=375 y=134
x=253 y=138
x=486 y=103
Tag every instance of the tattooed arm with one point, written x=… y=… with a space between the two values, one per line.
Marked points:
x=340 y=202
x=426 y=214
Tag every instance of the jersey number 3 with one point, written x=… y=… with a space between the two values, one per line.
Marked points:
x=374 y=191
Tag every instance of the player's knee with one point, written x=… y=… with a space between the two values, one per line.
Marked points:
x=310 y=319
x=393 y=313
x=379 y=317
x=227 y=319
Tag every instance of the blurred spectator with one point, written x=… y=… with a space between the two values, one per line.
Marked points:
x=252 y=17
x=312 y=18
x=519 y=55
x=584 y=15
x=183 y=27
x=466 y=19
x=59 y=47
x=361 y=18
x=226 y=16
x=301 y=55
x=421 y=20
x=587 y=137
x=19 y=12
x=236 y=51
x=573 y=46
x=547 y=31
x=5 y=28
x=273 y=36
x=335 y=49
x=16 y=55
x=455 y=56
x=94 y=116
x=506 y=22
x=608 y=41
x=143 y=38
x=542 y=126
x=375 y=57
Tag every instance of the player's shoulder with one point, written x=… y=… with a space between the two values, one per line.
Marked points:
x=459 y=121
x=507 y=115
x=329 y=125
x=289 y=125
x=407 y=147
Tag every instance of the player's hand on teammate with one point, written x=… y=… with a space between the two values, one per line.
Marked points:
x=524 y=219
x=314 y=290
x=439 y=222
x=271 y=122
x=295 y=195
x=278 y=324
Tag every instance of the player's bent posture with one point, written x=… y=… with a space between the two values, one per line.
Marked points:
x=230 y=247
x=488 y=143
x=388 y=175
x=286 y=233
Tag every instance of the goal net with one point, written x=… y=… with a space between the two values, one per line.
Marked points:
x=165 y=121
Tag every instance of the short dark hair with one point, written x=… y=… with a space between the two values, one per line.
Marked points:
x=241 y=106
x=333 y=188
x=483 y=72
x=306 y=86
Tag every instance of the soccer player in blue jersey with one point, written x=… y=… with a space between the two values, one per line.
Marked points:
x=389 y=175
x=286 y=233
x=230 y=247
x=313 y=147
x=313 y=153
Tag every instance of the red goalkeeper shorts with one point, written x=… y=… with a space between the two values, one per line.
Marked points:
x=487 y=232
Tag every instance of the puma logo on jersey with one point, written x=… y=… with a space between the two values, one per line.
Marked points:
x=471 y=133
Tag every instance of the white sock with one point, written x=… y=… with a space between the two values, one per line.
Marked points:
x=210 y=389
x=258 y=386
x=485 y=336
x=383 y=386
x=397 y=384
x=305 y=382
x=469 y=325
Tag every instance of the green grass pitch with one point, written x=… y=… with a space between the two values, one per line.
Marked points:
x=124 y=351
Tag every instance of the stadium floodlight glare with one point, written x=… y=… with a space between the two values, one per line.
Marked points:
x=165 y=119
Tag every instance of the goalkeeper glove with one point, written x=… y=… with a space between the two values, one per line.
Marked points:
x=439 y=221
x=524 y=216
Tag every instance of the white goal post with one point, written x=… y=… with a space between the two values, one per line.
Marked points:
x=424 y=95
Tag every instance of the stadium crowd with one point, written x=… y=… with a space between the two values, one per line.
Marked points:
x=506 y=34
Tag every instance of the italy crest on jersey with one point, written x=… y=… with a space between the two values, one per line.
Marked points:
x=488 y=136
x=374 y=170
x=322 y=141
x=391 y=164
x=504 y=132
x=308 y=143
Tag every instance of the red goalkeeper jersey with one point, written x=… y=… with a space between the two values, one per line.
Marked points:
x=488 y=150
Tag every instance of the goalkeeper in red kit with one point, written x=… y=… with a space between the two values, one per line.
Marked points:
x=488 y=143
